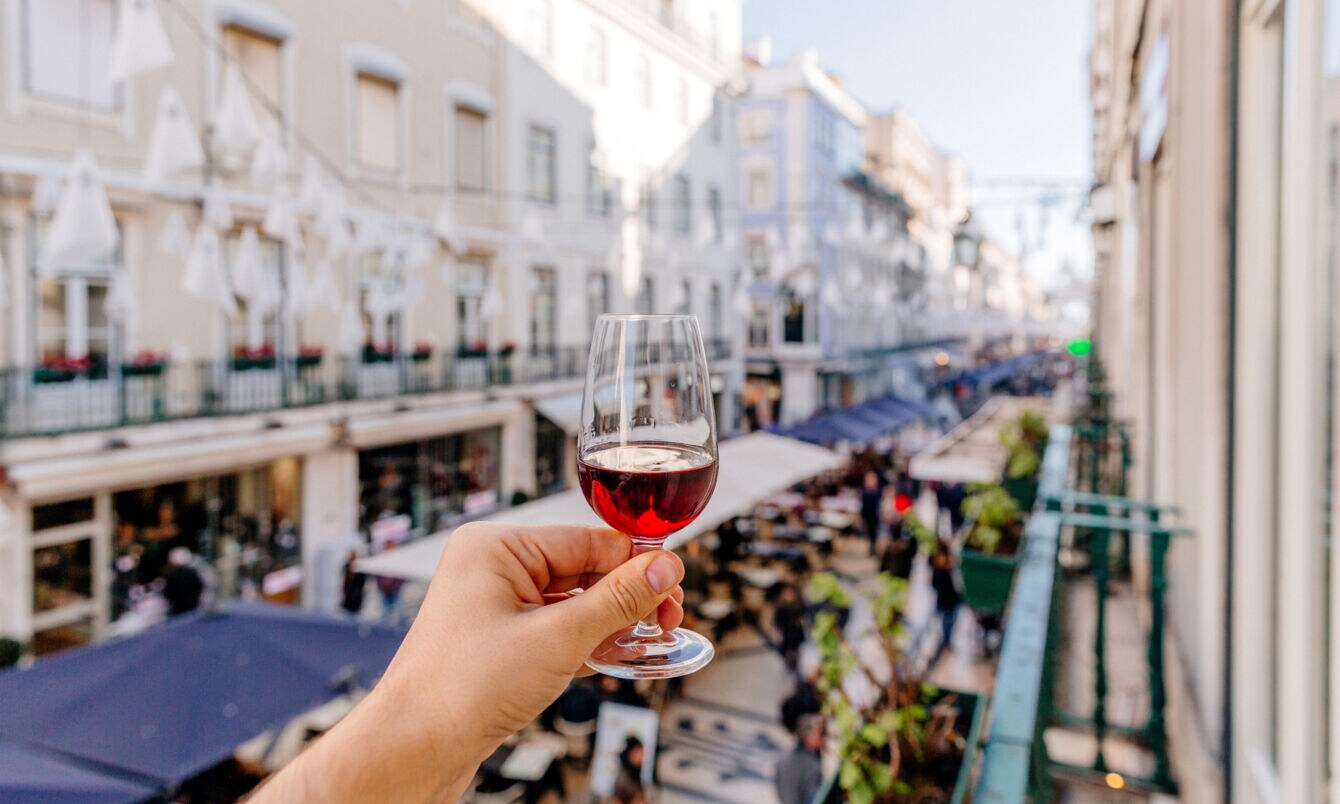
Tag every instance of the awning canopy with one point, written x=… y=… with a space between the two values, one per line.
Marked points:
x=972 y=452
x=866 y=422
x=168 y=703
x=752 y=468
x=34 y=776
x=996 y=373
x=564 y=411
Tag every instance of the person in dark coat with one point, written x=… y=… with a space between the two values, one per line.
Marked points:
x=804 y=701
x=351 y=599
x=789 y=620
x=182 y=586
x=870 y=499
x=800 y=773
x=947 y=597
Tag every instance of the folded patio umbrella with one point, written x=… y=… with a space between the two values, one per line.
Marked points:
x=236 y=129
x=174 y=145
x=204 y=277
x=175 y=239
x=83 y=229
x=140 y=43
x=269 y=163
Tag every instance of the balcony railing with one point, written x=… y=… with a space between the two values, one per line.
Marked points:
x=40 y=401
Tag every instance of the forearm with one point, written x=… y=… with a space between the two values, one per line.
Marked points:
x=385 y=747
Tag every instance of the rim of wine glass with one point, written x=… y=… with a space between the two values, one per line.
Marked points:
x=646 y=317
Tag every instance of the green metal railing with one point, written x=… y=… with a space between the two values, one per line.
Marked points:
x=36 y=401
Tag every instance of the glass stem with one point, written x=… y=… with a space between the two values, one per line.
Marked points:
x=650 y=626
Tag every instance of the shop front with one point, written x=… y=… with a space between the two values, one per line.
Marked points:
x=435 y=481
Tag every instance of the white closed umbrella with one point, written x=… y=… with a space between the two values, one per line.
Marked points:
x=83 y=229
x=174 y=146
x=312 y=185
x=742 y=303
x=175 y=238
x=46 y=194
x=280 y=221
x=444 y=226
x=204 y=277
x=235 y=127
x=217 y=212
x=352 y=336
x=256 y=282
x=140 y=43
x=269 y=164
x=369 y=232
x=381 y=302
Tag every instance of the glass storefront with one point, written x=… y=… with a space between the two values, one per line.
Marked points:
x=434 y=481
x=243 y=530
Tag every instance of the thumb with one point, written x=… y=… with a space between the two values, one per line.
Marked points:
x=634 y=589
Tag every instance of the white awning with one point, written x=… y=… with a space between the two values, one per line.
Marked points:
x=564 y=411
x=753 y=468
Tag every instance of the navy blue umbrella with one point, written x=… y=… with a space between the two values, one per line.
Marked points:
x=32 y=776
x=174 y=701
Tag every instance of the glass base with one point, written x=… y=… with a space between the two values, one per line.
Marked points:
x=672 y=653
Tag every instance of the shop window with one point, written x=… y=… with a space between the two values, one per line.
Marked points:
x=67 y=47
x=55 y=515
x=758 y=324
x=377 y=122
x=543 y=298
x=62 y=575
x=72 y=321
x=471 y=149
x=472 y=278
x=757 y=245
x=540 y=178
x=435 y=482
x=794 y=328
x=259 y=58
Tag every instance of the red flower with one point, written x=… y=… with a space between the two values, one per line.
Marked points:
x=261 y=352
x=148 y=357
x=311 y=350
x=423 y=348
x=56 y=362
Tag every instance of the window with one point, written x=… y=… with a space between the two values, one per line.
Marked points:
x=683 y=105
x=472 y=282
x=756 y=127
x=72 y=317
x=543 y=324
x=683 y=205
x=758 y=323
x=825 y=131
x=685 y=297
x=757 y=245
x=643 y=78
x=258 y=58
x=714 y=212
x=714 y=122
x=649 y=204
x=597 y=297
x=540 y=165
x=62 y=575
x=793 y=321
x=597 y=187
x=67 y=47
x=646 y=296
x=377 y=284
x=471 y=149
x=597 y=70
x=251 y=328
x=758 y=187
x=714 y=311
x=377 y=117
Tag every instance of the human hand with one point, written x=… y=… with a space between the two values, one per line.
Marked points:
x=498 y=638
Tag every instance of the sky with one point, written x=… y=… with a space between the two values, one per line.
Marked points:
x=1004 y=85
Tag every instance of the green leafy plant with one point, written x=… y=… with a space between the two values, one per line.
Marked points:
x=926 y=538
x=896 y=734
x=996 y=518
x=1024 y=438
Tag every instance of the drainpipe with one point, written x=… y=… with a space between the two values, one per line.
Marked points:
x=1231 y=225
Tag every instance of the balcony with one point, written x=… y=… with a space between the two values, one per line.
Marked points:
x=43 y=401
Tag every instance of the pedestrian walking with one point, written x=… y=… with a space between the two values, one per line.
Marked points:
x=182 y=586
x=351 y=598
x=800 y=772
x=870 y=499
x=947 y=598
x=789 y=620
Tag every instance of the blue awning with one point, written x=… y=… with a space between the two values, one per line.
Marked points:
x=171 y=702
x=866 y=422
x=996 y=373
x=33 y=776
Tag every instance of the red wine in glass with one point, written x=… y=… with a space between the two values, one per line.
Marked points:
x=647 y=490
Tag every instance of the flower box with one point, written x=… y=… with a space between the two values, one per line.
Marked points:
x=308 y=361
x=143 y=369
x=987 y=580
x=46 y=375
x=422 y=352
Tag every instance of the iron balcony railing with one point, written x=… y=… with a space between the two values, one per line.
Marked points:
x=50 y=401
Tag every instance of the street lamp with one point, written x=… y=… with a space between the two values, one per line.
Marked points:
x=967 y=240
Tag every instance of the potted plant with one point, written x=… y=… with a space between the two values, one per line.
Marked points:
x=1024 y=438
x=246 y=358
x=473 y=349
x=309 y=355
x=900 y=739
x=145 y=363
x=989 y=557
x=422 y=351
x=372 y=353
x=59 y=368
x=507 y=349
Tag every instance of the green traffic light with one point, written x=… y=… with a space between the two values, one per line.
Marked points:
x=1080 y=347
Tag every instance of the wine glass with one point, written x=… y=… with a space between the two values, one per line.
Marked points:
x=647 y=462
